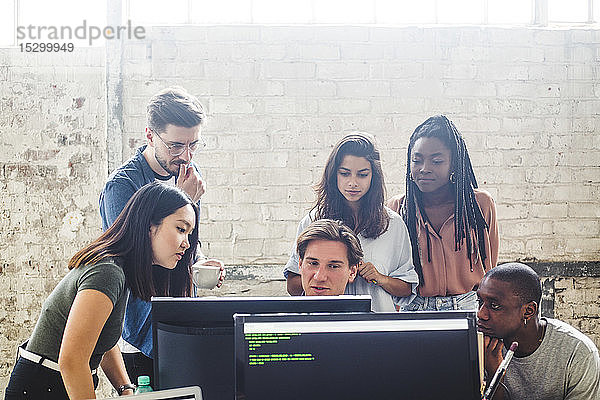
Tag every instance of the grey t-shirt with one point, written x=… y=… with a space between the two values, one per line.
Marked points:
x=565 y=366
x=105 y=276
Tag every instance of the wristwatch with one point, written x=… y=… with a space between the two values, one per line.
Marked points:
x=124 y=387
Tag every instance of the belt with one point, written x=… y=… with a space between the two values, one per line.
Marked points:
x=42 y=360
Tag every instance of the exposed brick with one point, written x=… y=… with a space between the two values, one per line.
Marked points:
x=231 y=70
x=513 y=247
x=278 y=248
x=262 y=230
x=389 y=34
x=310 y=88
x=575 y=192
x=416 y=51
x=420 y=88
x=394 y=70
x=549 y=210
x=232 y=106
x=253 y=160
x=284 y=176
x=256 y=88
x=367 y=51
x=225 y=34
x=288 y=70
x=283 y=213
x=288 y=34
x=244 y=141
x=363 y=89
x=217 y=195
x=216 y=230
x=397 y=105
x=520 y=229
x=512 y=210
x=347 y=70
x=259 y=195
x=253 y=52
x=344 y=106
x=341 y=33
x=248 y=249
x=470 y=88
x=589 y=209
x=208 y=88
x=588 y=247
x=314 y=51
x=292 y=106
x=505 y=73
x=540 y=247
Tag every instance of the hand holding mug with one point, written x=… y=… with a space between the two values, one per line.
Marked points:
x=208 y=273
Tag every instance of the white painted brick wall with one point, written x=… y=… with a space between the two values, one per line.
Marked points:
x=526 y=101
x=52 y=164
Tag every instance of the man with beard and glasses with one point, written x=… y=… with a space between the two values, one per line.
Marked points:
x=174 y=120
x=553 y=360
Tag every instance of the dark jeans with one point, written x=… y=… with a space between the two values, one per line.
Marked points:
x=137 y=364
x=34 y=381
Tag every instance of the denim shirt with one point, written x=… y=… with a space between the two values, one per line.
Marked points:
x=120 y=187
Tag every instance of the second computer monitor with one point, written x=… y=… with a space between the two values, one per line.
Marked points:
x=429 y=355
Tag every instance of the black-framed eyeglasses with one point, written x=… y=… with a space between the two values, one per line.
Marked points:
x=178 y=149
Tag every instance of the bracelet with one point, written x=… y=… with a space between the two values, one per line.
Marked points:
x=124 y=387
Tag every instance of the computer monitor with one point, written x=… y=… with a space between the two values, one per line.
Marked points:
x=193 y=337
x=423 y=355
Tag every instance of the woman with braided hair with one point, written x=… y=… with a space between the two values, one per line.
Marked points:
x=451 y=224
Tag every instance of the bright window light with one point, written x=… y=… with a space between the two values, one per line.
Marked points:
x=510 y=11
x=344 y=11
x=222 y=12
x=7 y=24
x=460 y=12
x=405 y=12
x=61 y=21
x=278 y=11
x=567 y=11
x=158 y=12
x=62 y=12
x=72 y=13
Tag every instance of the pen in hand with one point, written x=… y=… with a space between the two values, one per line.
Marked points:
x=491 y=389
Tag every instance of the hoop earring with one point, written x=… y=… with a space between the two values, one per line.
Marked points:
x=525 y=321
x=452 y=178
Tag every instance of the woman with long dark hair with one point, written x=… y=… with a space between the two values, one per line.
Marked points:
x=352 y=190
x=452 y=224
x=148 y=250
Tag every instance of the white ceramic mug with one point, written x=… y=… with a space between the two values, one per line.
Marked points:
x=205 y=276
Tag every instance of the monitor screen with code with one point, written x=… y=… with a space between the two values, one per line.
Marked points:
x=424 y=355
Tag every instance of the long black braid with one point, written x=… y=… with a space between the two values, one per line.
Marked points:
x=468 y=215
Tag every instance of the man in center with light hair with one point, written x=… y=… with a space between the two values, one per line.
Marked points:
x=329 y=257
